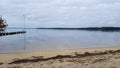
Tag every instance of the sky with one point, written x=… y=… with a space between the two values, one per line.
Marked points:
x=61 y=13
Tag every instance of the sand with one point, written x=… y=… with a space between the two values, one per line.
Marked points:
x=104 y=57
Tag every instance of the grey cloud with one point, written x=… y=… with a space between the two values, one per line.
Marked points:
x=66 y=13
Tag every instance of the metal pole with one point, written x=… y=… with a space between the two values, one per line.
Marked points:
x=24 y=34
x=0 y=8
x=24 y=21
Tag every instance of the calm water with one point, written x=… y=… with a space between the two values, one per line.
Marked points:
x=41 y=39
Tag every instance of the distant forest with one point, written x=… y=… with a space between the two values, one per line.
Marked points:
x=89 y=28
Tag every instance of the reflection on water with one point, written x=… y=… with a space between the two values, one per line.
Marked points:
x=45 y=39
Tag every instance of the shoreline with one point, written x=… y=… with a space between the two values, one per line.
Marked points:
x=49 y=53
x=107 y=47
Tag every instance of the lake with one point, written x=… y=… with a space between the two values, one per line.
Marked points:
x=51 y=39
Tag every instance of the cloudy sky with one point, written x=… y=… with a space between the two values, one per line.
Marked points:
x=61 y=13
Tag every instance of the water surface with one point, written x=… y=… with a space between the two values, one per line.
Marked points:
x=50 y=39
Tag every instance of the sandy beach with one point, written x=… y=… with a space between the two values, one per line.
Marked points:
x=106 y=57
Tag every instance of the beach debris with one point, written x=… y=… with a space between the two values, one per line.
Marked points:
x=86 y=54
x=1 y=63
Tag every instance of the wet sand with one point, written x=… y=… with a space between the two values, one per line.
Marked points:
x=106 y=57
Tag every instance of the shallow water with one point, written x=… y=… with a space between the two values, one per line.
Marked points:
x=46 y=39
